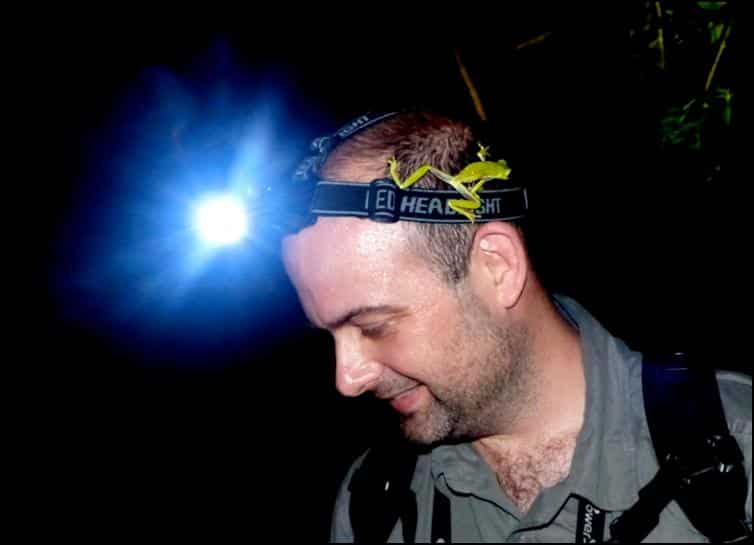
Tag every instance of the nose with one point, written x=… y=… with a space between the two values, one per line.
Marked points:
x=356 y=371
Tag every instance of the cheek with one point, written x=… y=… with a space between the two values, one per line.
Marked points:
x=428 y=357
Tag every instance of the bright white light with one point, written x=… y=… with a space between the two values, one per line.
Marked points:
x=221 y=220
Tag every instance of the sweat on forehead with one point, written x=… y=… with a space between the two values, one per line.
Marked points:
x=346 y=241
x=340 y=264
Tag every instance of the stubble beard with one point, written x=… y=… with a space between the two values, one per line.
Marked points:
x=486 y=393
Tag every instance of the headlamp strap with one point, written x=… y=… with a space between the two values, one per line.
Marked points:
x=383 y=201
x=323 y=145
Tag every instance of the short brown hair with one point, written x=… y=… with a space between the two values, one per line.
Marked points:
x=414 y=139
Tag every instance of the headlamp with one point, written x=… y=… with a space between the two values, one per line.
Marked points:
x=383 y=200
x=221 y=220
x=307 y=196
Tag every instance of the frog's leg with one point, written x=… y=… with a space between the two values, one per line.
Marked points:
x=483 y=152
x=454 y=182
x=461 y=206
x=465 y=207
x=471 y=200
x=414 y=177
x=421 y=172
x=478 y=187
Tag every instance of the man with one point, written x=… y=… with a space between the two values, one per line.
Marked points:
x=532 y=413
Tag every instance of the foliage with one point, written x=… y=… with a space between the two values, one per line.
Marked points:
x=688 y=42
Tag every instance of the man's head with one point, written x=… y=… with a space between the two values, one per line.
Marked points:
x=427 y=316
x=415 y=139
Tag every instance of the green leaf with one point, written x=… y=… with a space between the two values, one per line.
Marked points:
x=682 y=126
x=715 y=31
x=727 y=114
x=725 y=94
x=711 y=6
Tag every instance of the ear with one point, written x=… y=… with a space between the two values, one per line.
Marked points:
x=499 y=266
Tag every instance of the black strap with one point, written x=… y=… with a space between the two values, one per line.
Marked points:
x=323 y=145
x=381 y=493
x=682 y=403
x=382 y=200
x=590 y=523
x=701 y=465
x=441 y=521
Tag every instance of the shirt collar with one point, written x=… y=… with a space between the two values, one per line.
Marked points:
x=604 y=468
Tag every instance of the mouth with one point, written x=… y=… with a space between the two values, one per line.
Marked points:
x=407 y=401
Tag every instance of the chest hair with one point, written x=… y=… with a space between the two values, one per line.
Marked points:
x=523 y=472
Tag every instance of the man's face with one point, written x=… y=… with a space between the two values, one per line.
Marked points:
x=433 y=351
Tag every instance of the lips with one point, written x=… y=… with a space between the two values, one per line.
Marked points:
x=407 y=401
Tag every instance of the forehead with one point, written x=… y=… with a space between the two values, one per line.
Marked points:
x=344 y=263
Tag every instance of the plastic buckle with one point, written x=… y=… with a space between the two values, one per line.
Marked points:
x=726 y=453
x=384 y=200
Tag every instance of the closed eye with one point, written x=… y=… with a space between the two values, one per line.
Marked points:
x=375 y=332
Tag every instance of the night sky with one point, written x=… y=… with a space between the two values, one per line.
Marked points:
x=184 y=391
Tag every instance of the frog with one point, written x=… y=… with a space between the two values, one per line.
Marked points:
x=468 y=182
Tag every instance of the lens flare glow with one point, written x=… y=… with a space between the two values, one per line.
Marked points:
x=221 y=220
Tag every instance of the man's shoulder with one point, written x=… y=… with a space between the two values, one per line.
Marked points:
x=735 y=392
x=374 y=471
x=384 y=460
x=734 y=381
x=340 y=528
x=356 y=464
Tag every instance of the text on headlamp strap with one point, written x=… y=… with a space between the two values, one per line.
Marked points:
x=383 y=201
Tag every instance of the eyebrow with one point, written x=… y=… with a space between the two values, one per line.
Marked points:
x=360 y=311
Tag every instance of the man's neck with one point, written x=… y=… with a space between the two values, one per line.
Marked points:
x=537 y=453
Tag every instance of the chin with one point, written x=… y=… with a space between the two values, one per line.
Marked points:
x=421 y=429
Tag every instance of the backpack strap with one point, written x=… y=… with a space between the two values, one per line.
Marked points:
x=701 y=464
x=381 y=493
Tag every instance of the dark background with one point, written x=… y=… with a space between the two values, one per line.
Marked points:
x=183 y=400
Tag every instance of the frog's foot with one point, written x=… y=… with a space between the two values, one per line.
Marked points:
x=464 y=208
x=483 y=152
x=394 y=174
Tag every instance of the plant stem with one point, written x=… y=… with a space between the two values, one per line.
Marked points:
x=660 y=35
x=533 y=41
x=470 y=84
x=717 y=58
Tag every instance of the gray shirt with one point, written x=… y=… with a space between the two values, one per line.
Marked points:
x=613 y=460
